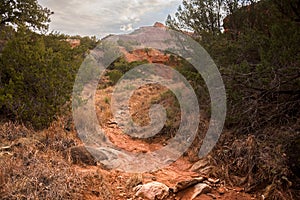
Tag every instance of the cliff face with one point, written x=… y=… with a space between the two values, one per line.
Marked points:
x=151 y=55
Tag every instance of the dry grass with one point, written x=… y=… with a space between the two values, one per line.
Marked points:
x=33 y=166
x=258 y=163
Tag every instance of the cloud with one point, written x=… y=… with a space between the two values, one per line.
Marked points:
x=127 y=27
x=101 y=17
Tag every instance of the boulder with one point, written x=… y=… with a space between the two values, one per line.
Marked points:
x=152 y=191
x=79 y=155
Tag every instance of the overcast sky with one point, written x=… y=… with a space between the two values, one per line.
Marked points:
x=103 y=17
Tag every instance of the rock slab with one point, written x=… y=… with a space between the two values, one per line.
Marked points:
x=199 y=189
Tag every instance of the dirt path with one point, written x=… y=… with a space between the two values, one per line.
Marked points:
x=178 y=176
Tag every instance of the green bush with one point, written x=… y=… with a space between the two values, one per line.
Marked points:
x=36 y=76
x=124 y=66
x=114 y=76
x=118 y=68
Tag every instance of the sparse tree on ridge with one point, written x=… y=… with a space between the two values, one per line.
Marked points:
x=24 y=13
x=204 y=16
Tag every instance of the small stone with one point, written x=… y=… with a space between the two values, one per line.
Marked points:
x=5 y=148
x=186 y=183
x=208 y=183
x=122 y=194
x=237 y=189
x=112 y=123
x=221 y=190
x=111 y=126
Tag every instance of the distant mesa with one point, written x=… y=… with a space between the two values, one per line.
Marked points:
x=159 y=25
x=73 y=42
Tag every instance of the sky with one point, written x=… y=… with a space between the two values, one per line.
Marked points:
x=102 y=17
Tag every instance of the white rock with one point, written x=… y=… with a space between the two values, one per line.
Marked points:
x=214 y=181
x=152 y=191
x=200 y=188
